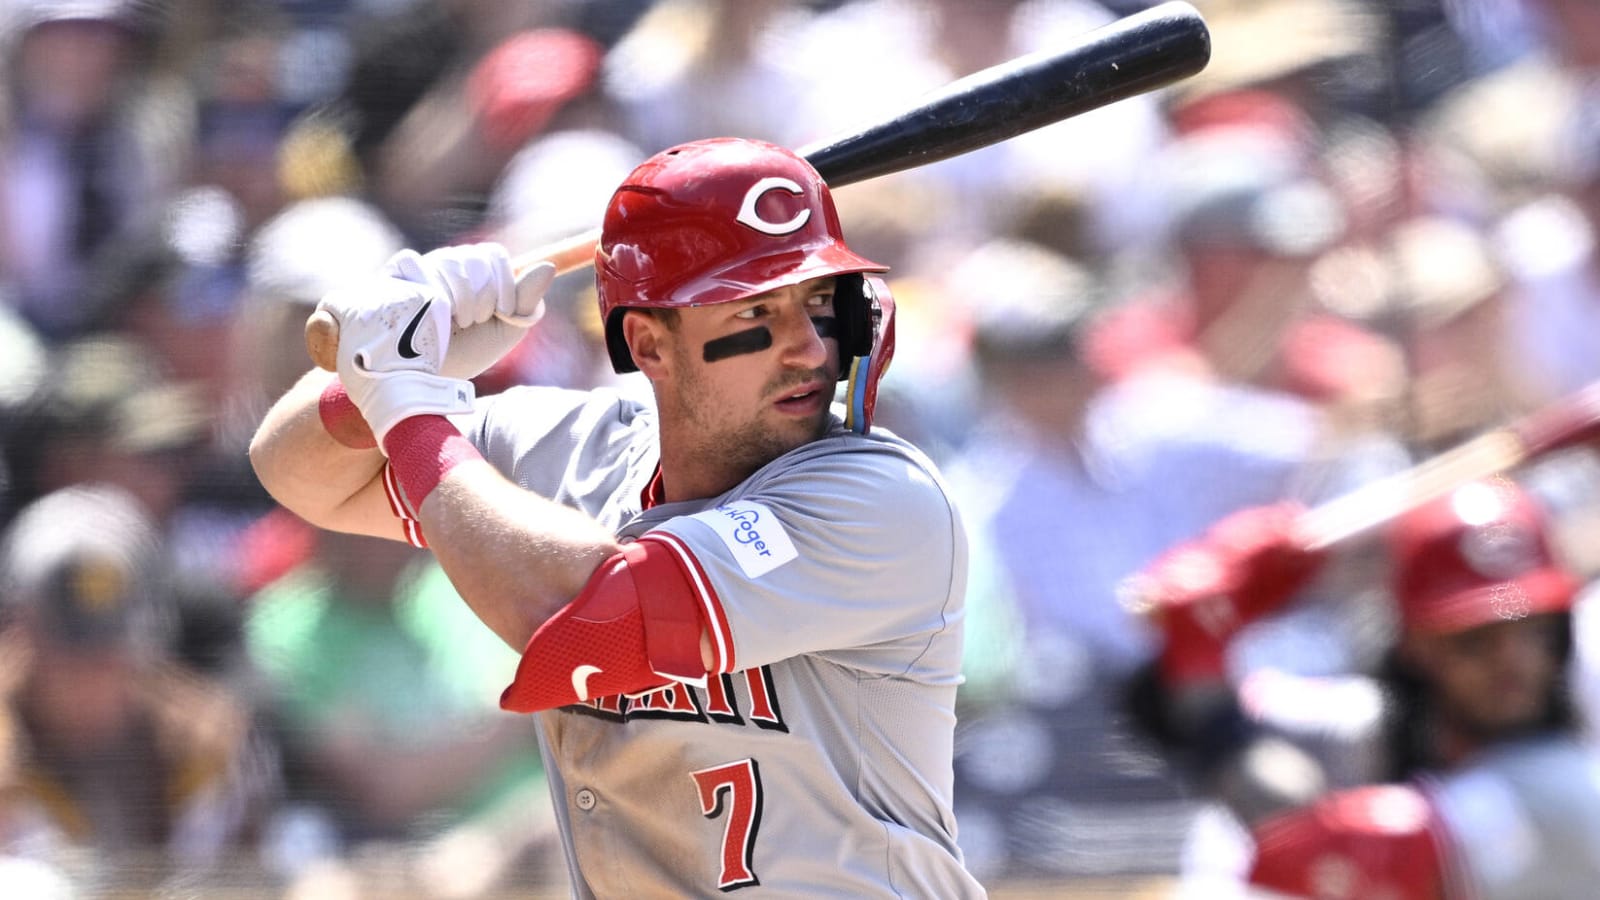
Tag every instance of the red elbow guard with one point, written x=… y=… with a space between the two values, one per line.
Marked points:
x=635 y=626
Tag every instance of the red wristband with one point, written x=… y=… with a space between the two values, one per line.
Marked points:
x=422 y=450
x=341 y=418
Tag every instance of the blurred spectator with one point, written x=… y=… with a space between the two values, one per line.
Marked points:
x=1317 y=54
x=174 y=287
x=1248 y=216
x=695 y=69
x=1069 y=485
x=453 y=147
x=245 y=106
x=1571 y=30
x=89 y=144
x=384 y=686
x=558 y=185
x=1472 y=697
x=1522 y=141
x=1452 y=304
x=110 y=414
x=1550 y=245
x=438 y=99
x=1043 y=766
x=120 y=764
x=701 y=68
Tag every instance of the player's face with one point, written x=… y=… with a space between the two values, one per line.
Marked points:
x=1494 y=678
x=754 y=379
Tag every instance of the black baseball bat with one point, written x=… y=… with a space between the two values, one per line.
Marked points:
x=1130 y=56
x=1124 y=58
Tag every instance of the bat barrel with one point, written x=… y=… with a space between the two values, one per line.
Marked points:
x=1133 y=55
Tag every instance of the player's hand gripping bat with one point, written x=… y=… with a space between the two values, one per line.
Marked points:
x=1569 y=421
x=1131 y=56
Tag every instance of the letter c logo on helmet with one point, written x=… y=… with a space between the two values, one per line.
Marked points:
x=749 y=216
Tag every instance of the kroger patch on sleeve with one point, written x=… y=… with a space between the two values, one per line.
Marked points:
x=753 y=534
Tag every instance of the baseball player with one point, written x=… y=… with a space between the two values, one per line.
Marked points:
x=740 y=615
x=1482 y=789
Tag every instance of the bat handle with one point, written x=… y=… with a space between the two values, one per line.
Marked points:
x=1570 y=422
x=567 y=255
x=322 y=340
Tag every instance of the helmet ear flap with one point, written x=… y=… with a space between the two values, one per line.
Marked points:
x=854 y=314
x=865 y=371
x=617 y=345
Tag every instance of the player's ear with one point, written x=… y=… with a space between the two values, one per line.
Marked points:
x=647 y=337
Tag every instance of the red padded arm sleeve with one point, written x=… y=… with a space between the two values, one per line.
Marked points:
x=635 y=625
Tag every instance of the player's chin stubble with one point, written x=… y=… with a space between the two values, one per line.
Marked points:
x=744 y=447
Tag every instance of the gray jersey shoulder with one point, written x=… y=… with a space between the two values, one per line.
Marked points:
x=848 y=547
x=1524 y=820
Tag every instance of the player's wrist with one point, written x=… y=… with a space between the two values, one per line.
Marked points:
x=1195 y=632
x=422 y=451
x=342 y=419
x=389 y=398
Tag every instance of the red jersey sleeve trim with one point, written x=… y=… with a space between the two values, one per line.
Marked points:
x=409 y=526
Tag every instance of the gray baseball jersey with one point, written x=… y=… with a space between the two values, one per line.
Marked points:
x=817 y=761
x=1524 y=821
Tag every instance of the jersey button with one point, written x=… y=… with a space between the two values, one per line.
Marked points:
x=585 y=799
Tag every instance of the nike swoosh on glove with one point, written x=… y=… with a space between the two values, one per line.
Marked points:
x=393 y=337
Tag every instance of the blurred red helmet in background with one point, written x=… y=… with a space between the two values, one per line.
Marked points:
x=1477 y=555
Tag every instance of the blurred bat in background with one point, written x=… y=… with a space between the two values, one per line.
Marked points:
x=1566 y=422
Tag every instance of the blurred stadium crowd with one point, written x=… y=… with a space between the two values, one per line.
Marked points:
x=1366 y=233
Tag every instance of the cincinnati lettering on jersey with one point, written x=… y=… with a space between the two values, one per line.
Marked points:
x=741 y=698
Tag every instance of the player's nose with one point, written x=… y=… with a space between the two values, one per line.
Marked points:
x=797 y=339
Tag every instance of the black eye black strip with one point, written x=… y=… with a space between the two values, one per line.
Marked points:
x=752 y=340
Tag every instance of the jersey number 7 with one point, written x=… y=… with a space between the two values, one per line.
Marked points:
x=734 y=790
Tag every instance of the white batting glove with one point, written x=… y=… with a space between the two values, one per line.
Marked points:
x=393 y=337
x=491 y=307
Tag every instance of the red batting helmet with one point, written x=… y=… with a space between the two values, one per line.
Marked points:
x=1480 y=554
x=719 y=220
